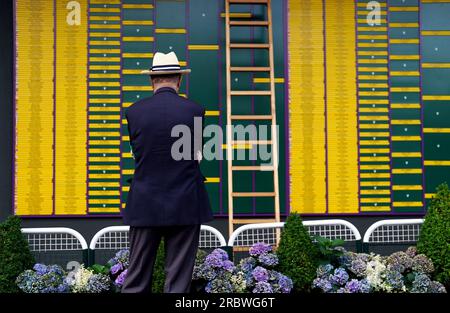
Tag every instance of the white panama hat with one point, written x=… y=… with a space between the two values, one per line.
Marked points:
x=164 y=64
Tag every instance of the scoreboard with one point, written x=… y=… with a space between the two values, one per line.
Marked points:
x=362 y=100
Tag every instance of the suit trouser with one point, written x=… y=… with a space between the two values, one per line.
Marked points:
x=180 y=243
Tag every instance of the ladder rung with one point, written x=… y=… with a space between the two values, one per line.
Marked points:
x=251 y=117
x=252 y=168
x=247 y=1
x=253 y=220
x=250 y=92
x=253 y=194
x=249 y=45
x=251 y=142
x=249 y=69
x=241 y=249
x=249 y=23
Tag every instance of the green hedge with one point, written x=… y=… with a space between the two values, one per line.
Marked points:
x=434 y=239
x=15 y=255
x=297 y=254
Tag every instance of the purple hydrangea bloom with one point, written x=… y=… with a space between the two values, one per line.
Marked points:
x=262 y=287
x=116 y=268
x=358 y=267
x=247 y=264
x=365 y=286
x=285 y=283
x=216 y=258
x=121 y=278
x=228 y=265
x=260 y=274
x=395 y=280
x=41 y=269
x=221 y=253
x=340 y=277
x=268 y=259
x=260 y=248
x=322 y=283
x=353 y=286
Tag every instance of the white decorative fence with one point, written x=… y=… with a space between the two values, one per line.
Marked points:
x=395 y=231
x=247 y=235
x=59 y=245
x=62 y=245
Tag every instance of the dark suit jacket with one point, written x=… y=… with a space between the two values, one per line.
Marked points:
x=164 y=191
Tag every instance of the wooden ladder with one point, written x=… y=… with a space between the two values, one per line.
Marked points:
x=230 y=117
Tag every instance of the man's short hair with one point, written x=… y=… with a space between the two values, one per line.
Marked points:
x=156 y=79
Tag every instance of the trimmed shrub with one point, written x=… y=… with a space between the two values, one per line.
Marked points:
x=159 y=276
x=434 y=239
x=298 y=256
x=15 y=255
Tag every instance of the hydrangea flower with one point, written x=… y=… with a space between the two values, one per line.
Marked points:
x=116 y=268
x=251 y=274
x=84 y=280
x=363 y=273
x=216 y=258
x=43 y=279
x=121 y=278
x=394 y=281
x=260 y=248
x=284 y=284
x=422 y=264
x=260 y=274
x=401 y=260
x=356 y=286
x=437 y=287
x=220 y=285
x=322 y=283
x=340 y=276
x=421 y=284
x=358 y=267
x=247 y=264
x=324 y=270
x=40 y=269
x=411 y=251
x=268 y=259
x=263 y=287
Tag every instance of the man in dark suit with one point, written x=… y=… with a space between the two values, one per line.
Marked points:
x=167 y=197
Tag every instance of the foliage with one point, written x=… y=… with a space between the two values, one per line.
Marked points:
x=43 y=279
x=298 y=256
x=329 y=250
x=364 y=273
x=159 y=275
x=254 y=274
x=100 y=269
x=434 y=239
x=15 y=255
